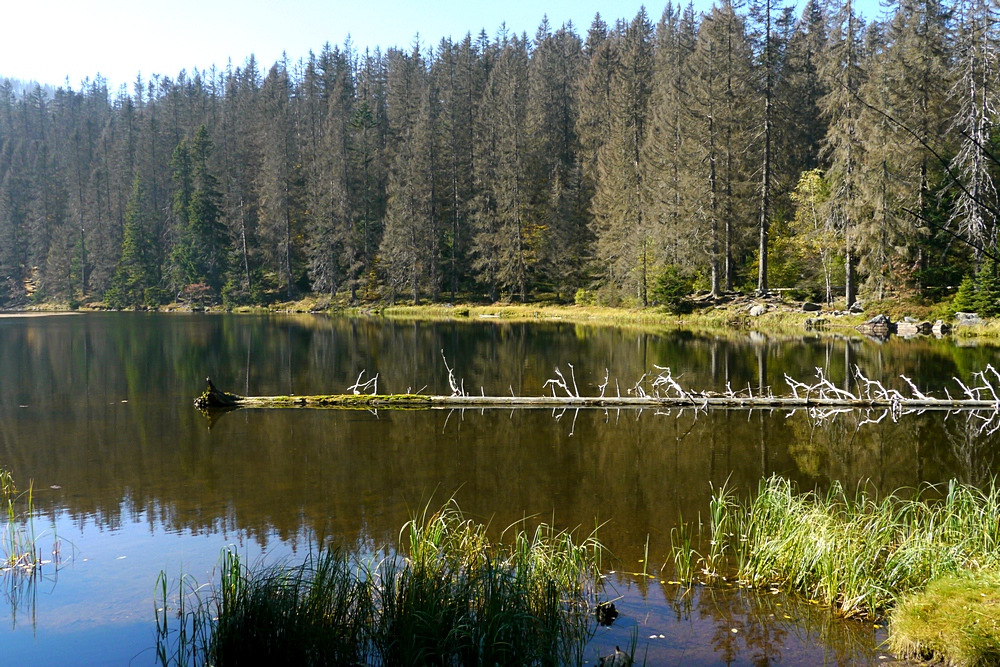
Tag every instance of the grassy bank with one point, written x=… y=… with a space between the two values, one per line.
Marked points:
x=955 y=621
x=863 y=555
x=729 y=312
x=452 y=597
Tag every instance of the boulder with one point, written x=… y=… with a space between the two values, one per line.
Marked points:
x=856 y=308
x=967 y=319
x=940 y=328
x=810 y=307
x=879 y=326
x=911 y=327
x=757 y=310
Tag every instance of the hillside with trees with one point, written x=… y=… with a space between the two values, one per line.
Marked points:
x=744 y=148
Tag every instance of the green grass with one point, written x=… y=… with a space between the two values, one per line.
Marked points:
x=450 y=597
x=955 y=621
x=858 y=553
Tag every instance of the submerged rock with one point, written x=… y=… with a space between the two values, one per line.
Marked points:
x=617 y=659
x=940 y=328
x=912 y=327
x=880 y=325
x=606 y=613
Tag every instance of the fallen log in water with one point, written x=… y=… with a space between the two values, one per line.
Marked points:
x=661 y=391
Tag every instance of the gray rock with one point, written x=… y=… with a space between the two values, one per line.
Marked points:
x=856 y=307
x=940 y=328
x=878 y=326
x=758 y=310
x=810 y=307
x=617 y=659
x=967 y=319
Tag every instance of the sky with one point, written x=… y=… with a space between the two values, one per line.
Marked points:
x=59 y=41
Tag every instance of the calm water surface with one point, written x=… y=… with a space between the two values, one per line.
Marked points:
x=130 y=480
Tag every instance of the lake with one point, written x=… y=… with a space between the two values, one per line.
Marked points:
x=129 y=479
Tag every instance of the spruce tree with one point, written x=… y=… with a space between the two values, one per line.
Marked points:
x=134 y=282
x=623 y=237
x=842 y=70
x=975 y=98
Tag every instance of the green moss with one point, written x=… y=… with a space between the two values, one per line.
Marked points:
x=955 y=621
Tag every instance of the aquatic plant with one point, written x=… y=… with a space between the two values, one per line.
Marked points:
x=858 y=553
x=449 y=596
x=18 y=543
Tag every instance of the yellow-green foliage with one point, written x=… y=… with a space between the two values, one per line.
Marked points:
x=857 y=552
x=955 y=621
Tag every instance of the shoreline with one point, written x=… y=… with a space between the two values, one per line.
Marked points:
x=730 y=313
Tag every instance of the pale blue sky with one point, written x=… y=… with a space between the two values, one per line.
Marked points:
x=52 y=40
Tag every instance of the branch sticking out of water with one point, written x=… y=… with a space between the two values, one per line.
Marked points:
x=456 y=388
x=358 y=387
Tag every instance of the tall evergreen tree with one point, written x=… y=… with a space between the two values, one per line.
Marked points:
x=505 y=243
x=279 y=180
x=665 y=197
x=623 y=236
x=135 y=274
x=842 y=70
x=201 y=252
x=975 y=98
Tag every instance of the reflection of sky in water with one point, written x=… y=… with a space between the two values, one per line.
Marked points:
x=97 y=609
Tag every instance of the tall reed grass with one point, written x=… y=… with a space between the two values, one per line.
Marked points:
x=449 y=596
x=17 y=546
x=20 y=559
x=856 y=552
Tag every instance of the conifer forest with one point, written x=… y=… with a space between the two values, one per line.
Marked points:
x=743 y=148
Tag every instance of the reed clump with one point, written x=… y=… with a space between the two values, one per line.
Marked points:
x=17 y=547
x=448 y=596
x=858 y=553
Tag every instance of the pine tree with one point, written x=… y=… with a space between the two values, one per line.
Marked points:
x=770 y=53
x=504 y=243
x=134 y=280
x=623 y=243
x=976 y=101
x=665 y=197
x=278 y=182
x=842 y=70
x=720 y=102
x=411 y=246
x=554 y=178
x=200 y=254
x=916 y=84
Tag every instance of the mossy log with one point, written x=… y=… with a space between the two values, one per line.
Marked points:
x=215 y=398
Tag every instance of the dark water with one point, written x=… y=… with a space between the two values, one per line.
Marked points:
x=129 y=479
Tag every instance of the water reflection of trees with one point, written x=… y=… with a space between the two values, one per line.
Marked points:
x=711 y=626
x=334 y=472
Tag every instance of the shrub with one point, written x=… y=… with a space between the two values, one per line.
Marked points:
x=672 y=288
